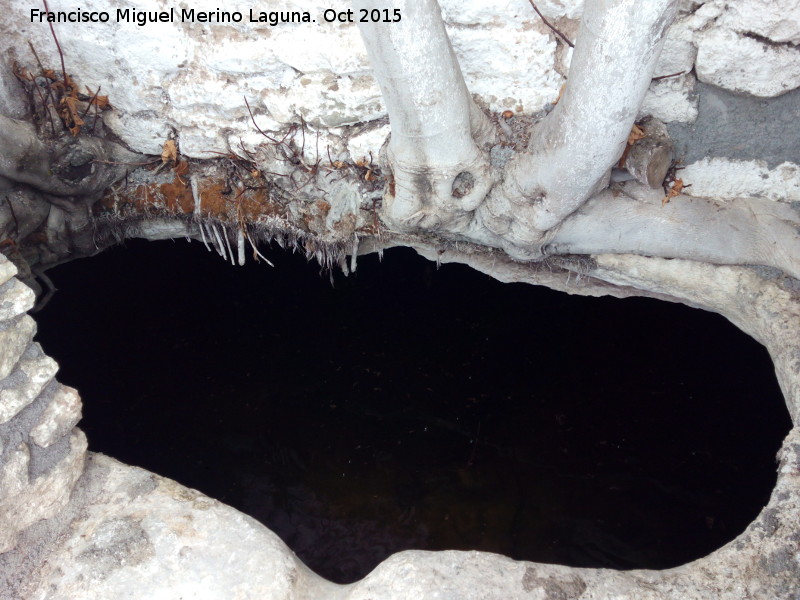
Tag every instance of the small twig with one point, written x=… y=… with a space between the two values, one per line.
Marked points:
x=44 y=105
x=247 y=152
x=41 y=68
x=252 y=118
x=111 y=162
x=220 y=247
x=60 y=53
x=96 y=111
x=228 y=244
x=36 y=56
x=39 y=92
x=13 y=214
x=203 y=234
x=90 y=101
x=546 y=22
x=256 y=253
x=668 y=76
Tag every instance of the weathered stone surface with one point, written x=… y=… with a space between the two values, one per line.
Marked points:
x=677 y=55
x=14 y=339
x=12 y=100
x=671 y=100
x=24 y=501
x=741 y=63
x=723 y=178
x=24 y=384
x=141 y=536
x=15 y=299
x=362 y=146
x=320 y=70
x=778 y=20
x=7 y=269
x=191 y=79
x=61 y=415
x=144 y=536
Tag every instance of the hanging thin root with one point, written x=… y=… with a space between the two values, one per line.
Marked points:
x=220 y=247
x=203 y=234
x=240 y=247
x=228 y=244
x=198 y=200
x=256 y=253
x=354 y=255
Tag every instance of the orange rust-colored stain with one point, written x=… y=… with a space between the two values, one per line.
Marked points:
x=217 y=200
x=177 y=197
x=323 y=207
x=213 y=199
x=256 y=203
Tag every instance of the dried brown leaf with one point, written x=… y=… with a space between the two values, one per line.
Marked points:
x=674 y=191
x=636 y=134
x=169 y=152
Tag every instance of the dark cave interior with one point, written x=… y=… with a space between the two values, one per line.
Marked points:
x=408 y=406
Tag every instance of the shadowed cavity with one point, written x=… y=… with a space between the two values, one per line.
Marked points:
x=410 y=407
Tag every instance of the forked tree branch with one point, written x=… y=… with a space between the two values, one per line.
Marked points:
x=744 y=232
x=575 y=146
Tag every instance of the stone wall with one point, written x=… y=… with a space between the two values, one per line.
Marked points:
x=189 y=81
x=41 y=451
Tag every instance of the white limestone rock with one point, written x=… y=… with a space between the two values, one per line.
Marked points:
x=7 y=269
x=15 y=298
x=505 y=13
x=742 y=64
x=14 y=339
x=12 y=98
x=368 y=143
x=555 y=9
x=778 y=20
x=144 y=536
x=677 y=55
x=188 y=81
x=509 y=69
x=728 y=178
x=61 y=415
x=35 y=371
x=671 y=100
x=24 y=501
x=142 y=131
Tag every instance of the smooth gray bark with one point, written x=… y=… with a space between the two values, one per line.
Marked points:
x=80 y=166
x=540 y=205
x=440 y=173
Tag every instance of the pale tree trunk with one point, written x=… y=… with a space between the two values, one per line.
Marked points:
x=573 y=149
x=439 y=177
x=534 y=209
x=440 y=172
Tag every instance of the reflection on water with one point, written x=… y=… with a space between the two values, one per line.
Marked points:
x=414 y=408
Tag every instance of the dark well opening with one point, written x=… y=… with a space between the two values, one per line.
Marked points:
x=410 y=407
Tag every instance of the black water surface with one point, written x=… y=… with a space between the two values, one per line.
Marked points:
x=410 y=407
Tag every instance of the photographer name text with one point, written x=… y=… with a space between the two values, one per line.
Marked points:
x=190 y=15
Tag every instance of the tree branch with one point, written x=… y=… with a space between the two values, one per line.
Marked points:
x=64 y=168
x=575 y=146
x=745 y=232
x=440 y=172
x=552 y=28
